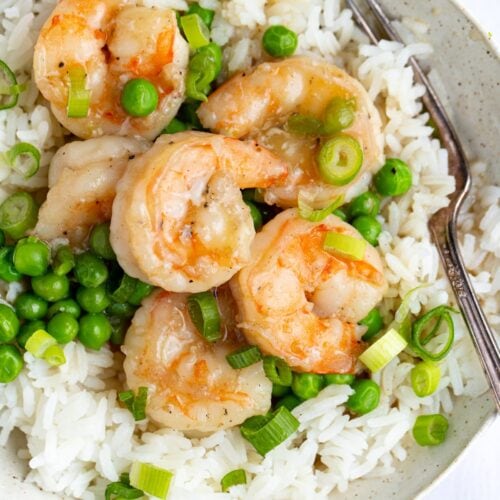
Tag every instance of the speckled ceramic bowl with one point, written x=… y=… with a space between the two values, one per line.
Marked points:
x=468 y=78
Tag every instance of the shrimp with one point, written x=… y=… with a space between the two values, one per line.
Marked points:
x=257 y=105
x=179 y=221
x=191 y=385
x=300 y=302
x=82 y=185
x=114 y=42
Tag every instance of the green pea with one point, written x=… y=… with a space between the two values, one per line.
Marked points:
x=340 y=213
x=139 y=97
x=30 y=306
x=93 y=300
x=256 y=215
x=67 y=306
x=119 y=327
x=175 y=126
x=365 y=204
x=90 y=270
x=206 y=15
x=8 y=272
x=365 y=398
x=9 y=324
x=64 y=261
x=394 y=178
x=307 y=385
x=280 y=390
x=338 y=378
x=339 y=114
x=63 y=327
x=279 y=41
x=374 y=322
x=100 y=243
x=290 y=401
x=121 y=309
x=369 y=227
x=142 y=290
x=95 y=330
x=51 y=287
x=11 y=363
x=31 y=256
x=28 y=329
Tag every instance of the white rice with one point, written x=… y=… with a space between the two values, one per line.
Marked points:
x=78 y=437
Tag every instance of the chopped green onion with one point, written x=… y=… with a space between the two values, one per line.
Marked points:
x=430 y=430
x=39 y=342
x=204 y=67
x=425 y=377
x=303 y=125
x=122 y=490
x=244 y=357
x=340 y=159
x=141 y=291
x=196 y=31
x=419 y=337
x=24 y=159
x=150 y=479
x=307 y=212
x=277 y=371
x=18 y=214
x=206 y=15
x=121 y=289
x=255 y=214
x=9 y=89
x=279 y=390
x=289 y=401
x=344 y=245
x=136 y=404
x=174 y=127
x=233 y=478
x=54 y=355
x=64 y=261
x=204 y=313
x=127 y=398
x=265 y=432
x=78 y=95
x=384 y=350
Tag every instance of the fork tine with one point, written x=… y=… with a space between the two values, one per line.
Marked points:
x=358 y=16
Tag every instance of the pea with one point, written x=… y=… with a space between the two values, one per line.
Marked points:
x=365 y=398
x=67 y=306
x=365 y=204
x=28 y=329
x=290 y=401
x=307 y=385
x=99 y=242
x=11 y=363
x=29 y=306
x=339 y=114
x=121 y=310
x=64 y=261
x=255 y=214
x=119 y=327
x=31 y=256
x=8 y=272
x=63 y=327
x=95 y=330
x=280 y=390
x=279 y=41
x=90 y=270
x=51 y=287
x=374 y=322
x=141 y=291
x=339 y=378
x=93 y=300
x=369 y=227
x=139 y=97
x=9 y=324
x=394 y=178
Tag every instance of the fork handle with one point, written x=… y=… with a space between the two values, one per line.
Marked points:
x=482 y=335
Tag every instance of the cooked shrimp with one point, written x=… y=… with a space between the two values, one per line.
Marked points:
x=82 y=185
x=257 y=105
x=179 y=220
x=114 y=42
x=191 y=385
x=300 y=302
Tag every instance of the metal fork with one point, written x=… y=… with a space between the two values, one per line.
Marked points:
x=442 y=224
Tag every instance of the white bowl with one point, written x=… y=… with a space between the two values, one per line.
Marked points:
x=468 y=74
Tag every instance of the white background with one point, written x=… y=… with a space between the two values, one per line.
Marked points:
x=477 y=476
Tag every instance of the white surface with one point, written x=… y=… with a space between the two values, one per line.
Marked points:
x=477 y=476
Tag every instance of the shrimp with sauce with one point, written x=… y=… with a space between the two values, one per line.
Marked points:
x=300 y=302
x=179 y=220
x=113 y=41
x=190 y=384
x=82 y=184
x=257 y=105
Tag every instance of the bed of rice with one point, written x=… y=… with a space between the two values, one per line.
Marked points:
x=78 y=437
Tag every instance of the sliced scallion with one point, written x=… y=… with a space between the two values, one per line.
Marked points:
x=9 y=88
x=233 y=478
x=384 y=350
x=78 y=95
x=277 y=371
x=18 y=214
x=345 y=246
x=54 y=355
x=39 y=342
x=122 y=490
x=243 y=357
x=307 y=212
x=150 y=479
x=425 y=377
x=303 y=125
x=24 y=159
x=136 y=404
x=430 y=430
x=265 y=432
x=196 y=31
x=204 y=313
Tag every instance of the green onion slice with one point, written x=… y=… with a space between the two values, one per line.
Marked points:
x=24 y=159
x=54 y=355
x=136 y=404
x=430 y=430
x=303 y=125
x=127 y=398
x=196 y=31
x=421 y=335
x=120 y=290
x=277 y=371
x=233 y=478
x=18 y=213
x=384 y=350
x=345 y=246
x=150 y=479
x=243 y=357
x=39 y=342
x=425 y=377
x=9 y=89
x=307 y=212
x=78 y=96
x=265 y=432
x=64 y=260
x=122 y=490
x=204 y=313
